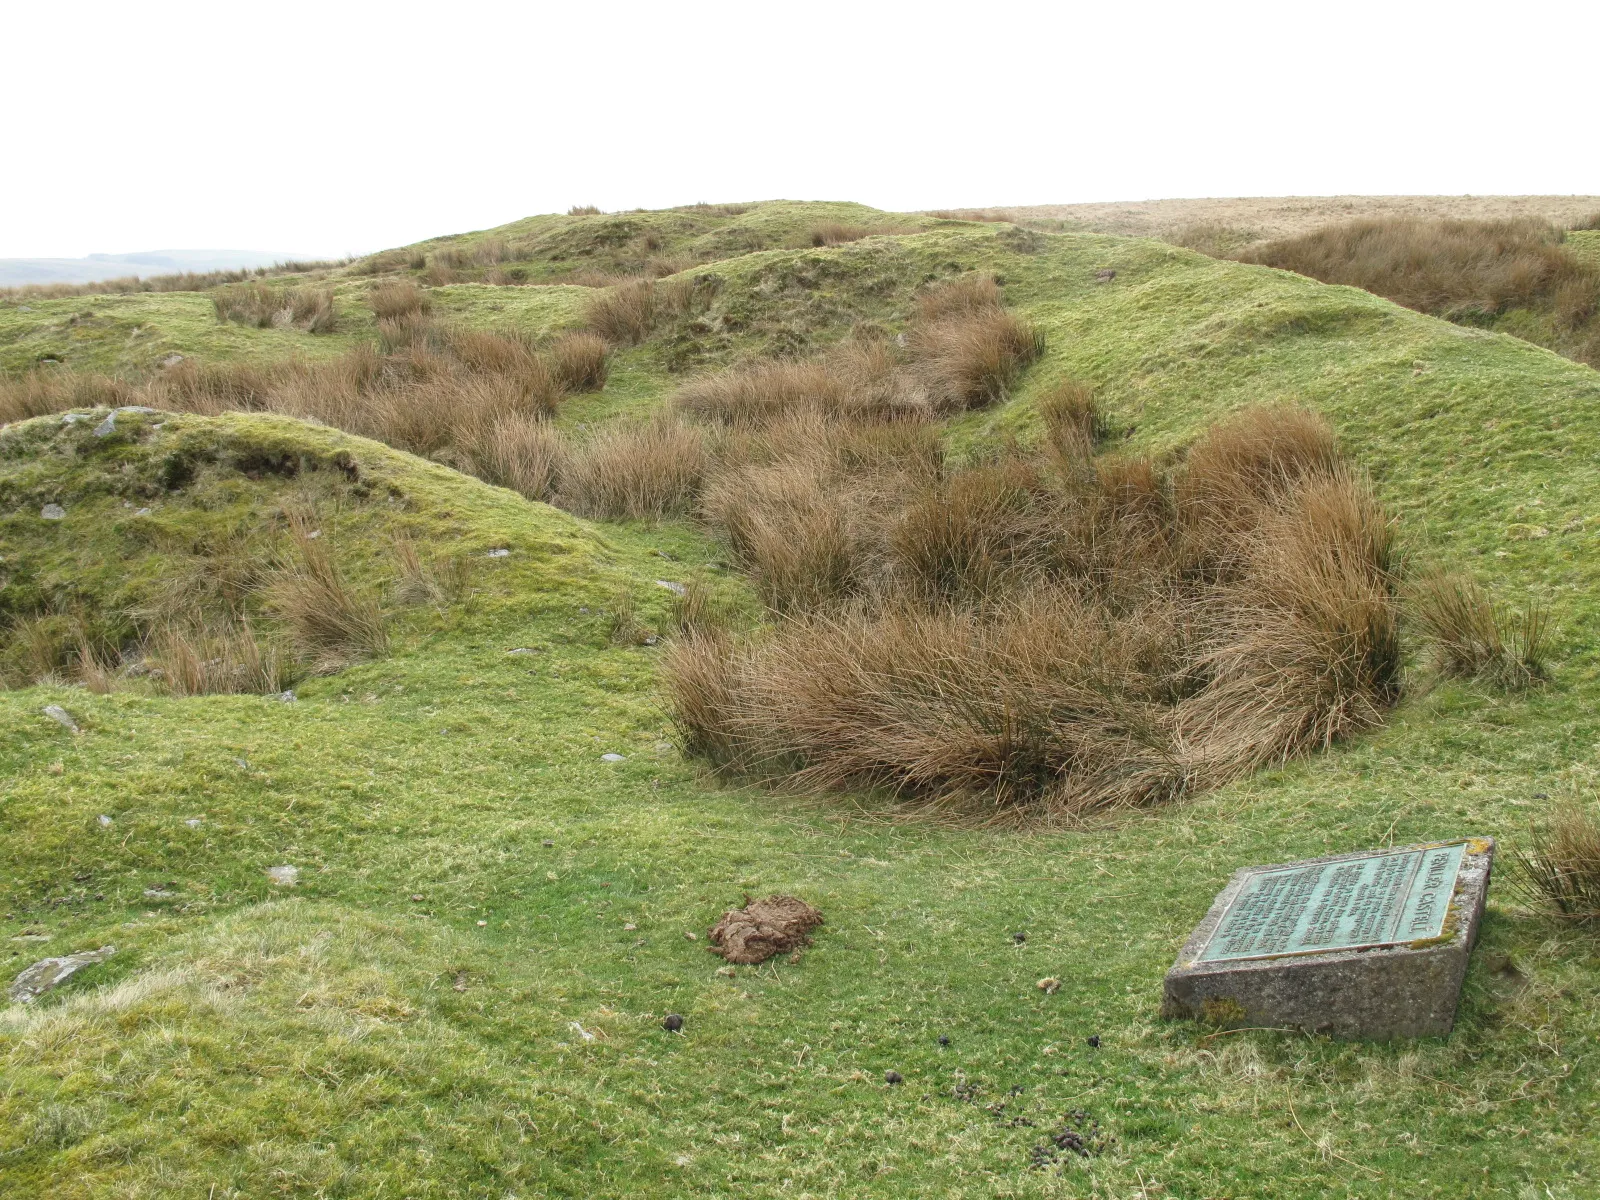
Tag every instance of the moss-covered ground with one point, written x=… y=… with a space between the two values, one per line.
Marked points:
x=462 y=996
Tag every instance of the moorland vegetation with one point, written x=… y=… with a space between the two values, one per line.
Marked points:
x=1209 y=563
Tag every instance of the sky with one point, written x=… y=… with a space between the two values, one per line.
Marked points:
x=344 y=127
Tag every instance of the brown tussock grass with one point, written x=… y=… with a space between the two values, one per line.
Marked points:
x=1453 y=269
x=624 y=314
x=1013 y=636
x=973 y=358
x=639 y=472
x=579 y=361
x=330 y=623
x=1471 y=637
x=1559 y=867
x=401 y=298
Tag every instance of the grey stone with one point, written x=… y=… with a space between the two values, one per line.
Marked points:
x=284 y=876
x=498 y=552
x=52 y=512
x=38 y=979
x=287 y=697
x=612 y=758
x=108 y=426
x=60 y=715
x=169 y=360
x=1370 y=945
x=677 y=589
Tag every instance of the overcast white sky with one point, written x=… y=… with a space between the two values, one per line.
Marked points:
x=333 y=127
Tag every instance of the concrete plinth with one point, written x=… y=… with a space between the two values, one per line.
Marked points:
x=1370 y=945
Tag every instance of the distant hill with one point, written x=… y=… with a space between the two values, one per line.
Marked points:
x=15 y=272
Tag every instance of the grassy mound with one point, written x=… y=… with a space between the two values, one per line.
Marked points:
x=463 y=993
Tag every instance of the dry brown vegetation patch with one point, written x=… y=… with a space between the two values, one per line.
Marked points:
x=1048 y=630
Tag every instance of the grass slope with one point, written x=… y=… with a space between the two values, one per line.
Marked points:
x=345 y=1039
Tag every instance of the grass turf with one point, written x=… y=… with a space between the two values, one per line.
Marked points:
x=343 y=1039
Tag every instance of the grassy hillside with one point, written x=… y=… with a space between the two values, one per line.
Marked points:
x=462 y=995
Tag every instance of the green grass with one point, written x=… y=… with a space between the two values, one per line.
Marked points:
x=314 y=1042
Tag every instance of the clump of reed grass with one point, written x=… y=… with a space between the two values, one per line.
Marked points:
x=1456 y=269
x=1011 y=636
x=579 y=361
x=1471 y=637
x=331 y=623
x=1559 y=867
x=263 y=306
x=640 y=472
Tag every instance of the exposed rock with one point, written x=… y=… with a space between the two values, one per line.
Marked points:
x=52 y=512
x=38 y=979
x=498 y=552
x=1104 y=276
x=107 y=427
x=613 y=758
x=762 y=928
x=677 y=589
x=56 y=713
x=284 y=876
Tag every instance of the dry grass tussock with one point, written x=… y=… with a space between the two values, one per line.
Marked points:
x=263 y=306
x=185 y=281
x=1559 y=868
x=837 y=234
x=469 y=398
x=1472 y=637
x=641 y=472
x=243 y=613
x=1457 y=269
x=1044 y=632
x=629 y=312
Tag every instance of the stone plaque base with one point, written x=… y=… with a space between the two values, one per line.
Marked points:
x=1355 y=946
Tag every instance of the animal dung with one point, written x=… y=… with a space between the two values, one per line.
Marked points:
x=762 y=928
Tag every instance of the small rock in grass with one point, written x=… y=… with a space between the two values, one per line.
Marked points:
x=548 y=843
x=498 y=552
x=629 y=927
x=1019 y=937
x=38 y=979
x=416 y=897
x=170 y=360
x=157 y=894
x=691 y=935
x=284 y=876
x=105 y=821
x=893 y=1077
x=1094 y=1041
x=677 y=589
x=1105 y=276
x=1049 y=985
x=726 y=972
x=673 y=1023
x=242 y=765
x=944 y=1039
x=194 y=822
x=482 y=924
x=522 y=650
x=613 y=758
x=287 y=697
x=58 y=714
x=107 y=427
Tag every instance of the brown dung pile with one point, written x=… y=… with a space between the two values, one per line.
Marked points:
x=762 y=928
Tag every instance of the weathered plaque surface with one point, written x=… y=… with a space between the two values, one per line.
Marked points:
x=1357 y=945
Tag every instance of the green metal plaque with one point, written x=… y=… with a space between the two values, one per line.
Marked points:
x=1348 y=904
